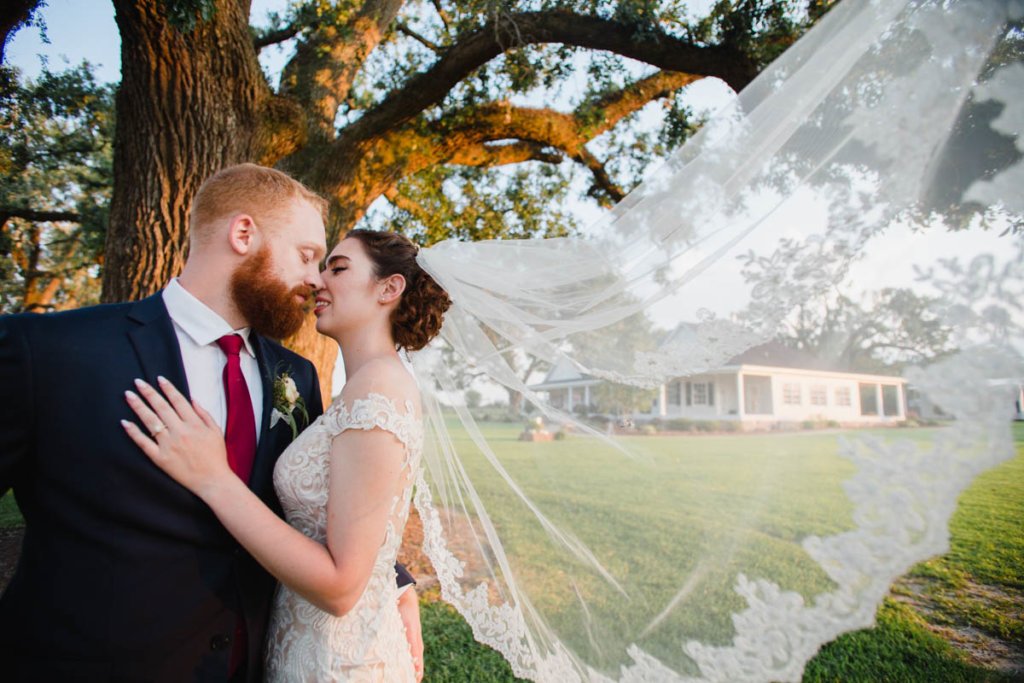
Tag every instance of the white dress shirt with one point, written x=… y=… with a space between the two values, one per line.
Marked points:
x=198 y=329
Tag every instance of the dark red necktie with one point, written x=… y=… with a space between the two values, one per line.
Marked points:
x=240 y=432
x=240 y=438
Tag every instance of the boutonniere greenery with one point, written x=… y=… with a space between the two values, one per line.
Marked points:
x=288 y=402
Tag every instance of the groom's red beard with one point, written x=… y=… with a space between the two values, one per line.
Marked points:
x=266 y=302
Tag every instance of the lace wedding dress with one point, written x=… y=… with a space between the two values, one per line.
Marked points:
x=368 y=643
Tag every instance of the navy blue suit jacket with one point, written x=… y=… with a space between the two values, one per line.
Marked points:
x=124 y=574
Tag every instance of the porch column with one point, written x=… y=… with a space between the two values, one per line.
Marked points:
x=740 y=399
x=662 y=400
x=586 y=397
x=569 y=407
x=878 y=400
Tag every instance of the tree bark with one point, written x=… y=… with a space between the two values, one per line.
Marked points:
x=320 y=350
x=189 y=104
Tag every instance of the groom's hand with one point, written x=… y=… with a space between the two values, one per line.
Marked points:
x=409 y=608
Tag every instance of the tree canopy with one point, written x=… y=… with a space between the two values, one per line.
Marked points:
x=435 y=117
x=55 y=179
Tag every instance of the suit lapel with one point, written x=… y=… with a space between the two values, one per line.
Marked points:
x=156 y=343
x=266 y=451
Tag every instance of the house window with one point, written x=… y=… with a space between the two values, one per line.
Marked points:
x=868 y=399
x=700 y=393
x=675 y=394
x=791 y=394
x=819 y=395
x=890 y=400
x=843 y=396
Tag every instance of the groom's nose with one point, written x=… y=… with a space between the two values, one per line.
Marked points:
x=313 y=278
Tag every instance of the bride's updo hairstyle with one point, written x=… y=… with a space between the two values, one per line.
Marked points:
x=417 y=318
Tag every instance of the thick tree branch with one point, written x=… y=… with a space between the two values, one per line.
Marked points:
x=325 y=64
x=514 y=30
x=361 y=172
x=482 y=155
x=275 y=37
x=488 y=155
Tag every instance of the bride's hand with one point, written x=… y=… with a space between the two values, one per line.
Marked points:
x=183 y=440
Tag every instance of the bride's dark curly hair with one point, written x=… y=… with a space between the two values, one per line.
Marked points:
x=417 y=318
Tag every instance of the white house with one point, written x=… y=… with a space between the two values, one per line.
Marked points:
x=763 y=386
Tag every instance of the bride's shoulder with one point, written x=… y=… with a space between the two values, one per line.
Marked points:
x=385 y=378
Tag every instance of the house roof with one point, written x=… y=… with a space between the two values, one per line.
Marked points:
x=776 y=355
x=769 y=355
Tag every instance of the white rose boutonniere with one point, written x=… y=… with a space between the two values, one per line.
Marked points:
x=286 y=402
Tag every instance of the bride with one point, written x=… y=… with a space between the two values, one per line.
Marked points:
x=345 y=483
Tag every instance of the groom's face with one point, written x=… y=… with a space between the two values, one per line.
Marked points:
x=273 y=288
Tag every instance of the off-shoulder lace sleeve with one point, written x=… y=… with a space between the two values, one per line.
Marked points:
x=376 y=411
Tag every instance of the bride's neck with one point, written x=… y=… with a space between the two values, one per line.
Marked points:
x=359 y=347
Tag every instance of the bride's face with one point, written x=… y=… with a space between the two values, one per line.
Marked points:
x=351 y=294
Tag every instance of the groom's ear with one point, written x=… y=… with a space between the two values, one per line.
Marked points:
x=242 y=234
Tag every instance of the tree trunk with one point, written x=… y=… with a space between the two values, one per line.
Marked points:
x=515 y=402
x=189 y=104
x=321 y=350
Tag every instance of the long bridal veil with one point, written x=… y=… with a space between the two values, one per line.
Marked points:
x=770 y=370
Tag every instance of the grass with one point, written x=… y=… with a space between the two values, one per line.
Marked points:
x=976 y=587
x=9 y=514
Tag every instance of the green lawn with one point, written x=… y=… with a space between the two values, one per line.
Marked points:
x=977 y=587
x=9 y=515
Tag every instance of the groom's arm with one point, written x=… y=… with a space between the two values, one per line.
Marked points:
x=16 y=399
x=404 y=577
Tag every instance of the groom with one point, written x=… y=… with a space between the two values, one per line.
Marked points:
x=124 y=575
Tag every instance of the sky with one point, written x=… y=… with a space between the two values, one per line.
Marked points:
x=85 y=29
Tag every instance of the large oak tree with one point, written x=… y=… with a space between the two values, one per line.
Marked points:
x=412 y=103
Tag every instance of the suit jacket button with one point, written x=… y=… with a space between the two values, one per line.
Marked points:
x=220 y=642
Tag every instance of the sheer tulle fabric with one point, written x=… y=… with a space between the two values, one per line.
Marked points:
x=734 y=557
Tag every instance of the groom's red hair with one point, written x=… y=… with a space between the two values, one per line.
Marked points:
x=256 y=190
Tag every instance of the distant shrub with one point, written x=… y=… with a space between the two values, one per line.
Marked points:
x=648 y=429
x=679 y=424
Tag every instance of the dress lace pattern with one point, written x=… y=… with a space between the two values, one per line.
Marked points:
x=368 y=643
